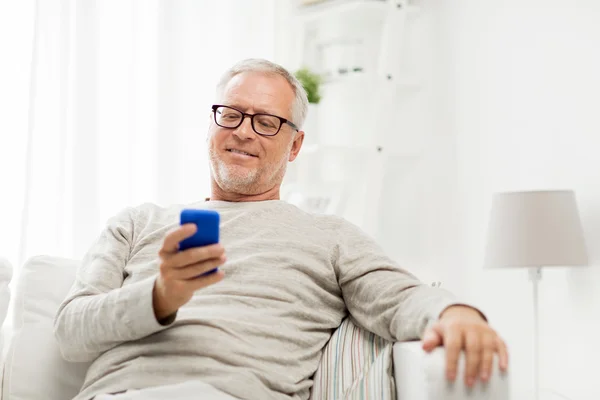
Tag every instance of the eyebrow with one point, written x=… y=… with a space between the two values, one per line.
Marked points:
x=256 y=110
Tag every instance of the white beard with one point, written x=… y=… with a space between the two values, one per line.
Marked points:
x=231 y=180
x=236 y=179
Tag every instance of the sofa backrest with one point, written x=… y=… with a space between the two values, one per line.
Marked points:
x=34 y=368
x=356 y=363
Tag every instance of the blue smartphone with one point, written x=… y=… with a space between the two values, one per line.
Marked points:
x=207 y=232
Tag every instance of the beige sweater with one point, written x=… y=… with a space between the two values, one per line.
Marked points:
x=290 y=279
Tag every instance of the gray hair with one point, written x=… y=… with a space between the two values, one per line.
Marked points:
x=300 y=104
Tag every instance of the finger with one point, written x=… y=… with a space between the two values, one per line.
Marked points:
x=453 y=342
x=205 y=281
x=171 y=241
x=195 y=255
x=502 y=353
x=473 y=355
x=195 y=270
x=488 y=348
x=431 y=339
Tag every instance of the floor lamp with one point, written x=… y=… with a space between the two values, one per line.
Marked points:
x=532 y=230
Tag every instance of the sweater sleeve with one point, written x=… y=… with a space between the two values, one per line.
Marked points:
x=381 y=296
x=100 y=312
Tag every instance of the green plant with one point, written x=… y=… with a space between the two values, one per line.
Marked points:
x=311 y=83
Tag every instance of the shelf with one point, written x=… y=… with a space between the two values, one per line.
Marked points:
x=313 y=149
x=317 y=148
x=363 y=78
x=338 y=8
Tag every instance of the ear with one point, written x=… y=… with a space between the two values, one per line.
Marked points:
x=296 y=145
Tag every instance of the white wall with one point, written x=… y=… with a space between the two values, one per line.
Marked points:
x=523 y=94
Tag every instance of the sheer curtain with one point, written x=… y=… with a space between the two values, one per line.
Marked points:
x=110 y=103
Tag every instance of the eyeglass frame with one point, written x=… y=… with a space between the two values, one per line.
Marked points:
x=244 y=115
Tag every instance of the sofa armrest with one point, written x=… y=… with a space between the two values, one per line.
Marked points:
x=420 y=375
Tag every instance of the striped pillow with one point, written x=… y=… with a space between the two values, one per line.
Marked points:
x=356 y=364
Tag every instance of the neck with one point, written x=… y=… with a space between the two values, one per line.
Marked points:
x=217 y=193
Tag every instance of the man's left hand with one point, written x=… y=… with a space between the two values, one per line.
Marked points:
x=463 y=328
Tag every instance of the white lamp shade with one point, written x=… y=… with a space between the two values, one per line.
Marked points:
x=535 y=229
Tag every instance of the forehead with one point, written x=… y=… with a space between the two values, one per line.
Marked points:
x=259 y=92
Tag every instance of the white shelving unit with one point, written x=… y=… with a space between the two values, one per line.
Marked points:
x=357 y=45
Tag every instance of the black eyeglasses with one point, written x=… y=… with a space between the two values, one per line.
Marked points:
x=263 y=124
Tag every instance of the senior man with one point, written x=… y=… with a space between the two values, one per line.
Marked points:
x=287 y=278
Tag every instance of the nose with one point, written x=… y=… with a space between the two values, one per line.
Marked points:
x=245 y=131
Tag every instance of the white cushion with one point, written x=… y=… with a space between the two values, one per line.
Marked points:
x=34 y=368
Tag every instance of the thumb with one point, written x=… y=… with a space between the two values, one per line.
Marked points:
x=432 y=338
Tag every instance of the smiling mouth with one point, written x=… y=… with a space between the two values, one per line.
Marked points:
x=240 y=152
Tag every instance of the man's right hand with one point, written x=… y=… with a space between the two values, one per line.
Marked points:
x=179 y=271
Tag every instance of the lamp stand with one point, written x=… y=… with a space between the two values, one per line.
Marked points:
x=535 y=275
